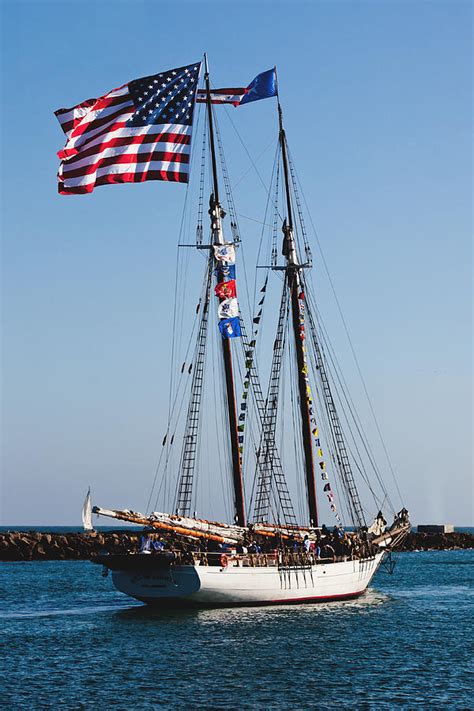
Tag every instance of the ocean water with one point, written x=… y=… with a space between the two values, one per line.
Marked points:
x=70 y=641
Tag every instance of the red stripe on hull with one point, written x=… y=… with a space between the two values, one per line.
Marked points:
x=181 y=602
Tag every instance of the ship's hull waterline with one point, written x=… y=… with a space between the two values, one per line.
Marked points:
x=202 y=585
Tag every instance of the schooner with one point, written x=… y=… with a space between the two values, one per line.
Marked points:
x=267 y=553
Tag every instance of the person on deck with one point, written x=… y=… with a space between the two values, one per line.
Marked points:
x=145 y=546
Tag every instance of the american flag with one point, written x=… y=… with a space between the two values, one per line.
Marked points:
x=140 y=131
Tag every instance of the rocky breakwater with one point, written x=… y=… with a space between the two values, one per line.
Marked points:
x=33 y=545
x=437 y=541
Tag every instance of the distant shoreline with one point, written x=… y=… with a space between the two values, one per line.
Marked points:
x=28 y=545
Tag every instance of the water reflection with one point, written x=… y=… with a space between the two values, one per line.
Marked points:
x=73 y=638
x=230 y=615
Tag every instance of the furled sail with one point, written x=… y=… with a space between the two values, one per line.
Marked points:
x=87 y=512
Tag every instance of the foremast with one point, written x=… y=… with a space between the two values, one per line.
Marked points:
x=294 y=281
x=216 y=214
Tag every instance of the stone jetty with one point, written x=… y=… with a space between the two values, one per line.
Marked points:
x=34 y=545
x=437 y=541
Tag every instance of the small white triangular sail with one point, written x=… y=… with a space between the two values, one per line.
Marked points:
x=379 y=525
x=87 y=512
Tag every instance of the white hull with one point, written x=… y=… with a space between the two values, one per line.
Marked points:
x=212 y=585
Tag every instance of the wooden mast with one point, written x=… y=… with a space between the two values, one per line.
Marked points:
x=218 y=238
x=293 y=270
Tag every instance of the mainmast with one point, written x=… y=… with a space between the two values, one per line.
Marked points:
x=293 y=270
x=217 y=214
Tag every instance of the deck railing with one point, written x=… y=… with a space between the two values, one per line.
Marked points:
x=278 y=559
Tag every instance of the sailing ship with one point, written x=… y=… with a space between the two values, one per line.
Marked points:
x=268 y=552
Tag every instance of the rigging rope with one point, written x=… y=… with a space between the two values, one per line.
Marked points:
x=338 y=380
x=354 y=355
x=190 y=454
x=268 y=471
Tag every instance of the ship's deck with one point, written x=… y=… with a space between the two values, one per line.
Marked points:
x=163 y=559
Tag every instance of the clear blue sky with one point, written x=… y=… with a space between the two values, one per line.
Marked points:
x=378 y=112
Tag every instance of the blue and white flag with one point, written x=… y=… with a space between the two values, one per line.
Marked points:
x=224 y=253
x=225 y=272
x=230 y=327
x=228 y=308
x=262 y=87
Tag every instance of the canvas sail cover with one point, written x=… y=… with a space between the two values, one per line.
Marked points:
x=379 y=525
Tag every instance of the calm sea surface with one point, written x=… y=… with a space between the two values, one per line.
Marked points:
x=70 y=641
